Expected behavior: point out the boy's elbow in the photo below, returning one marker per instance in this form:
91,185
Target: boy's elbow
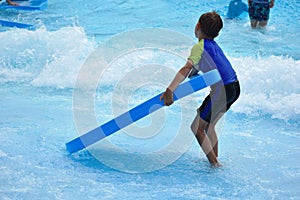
185,70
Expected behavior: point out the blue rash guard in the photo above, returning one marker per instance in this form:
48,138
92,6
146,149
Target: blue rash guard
206,55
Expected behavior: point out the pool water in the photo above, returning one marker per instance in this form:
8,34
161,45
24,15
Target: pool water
258,138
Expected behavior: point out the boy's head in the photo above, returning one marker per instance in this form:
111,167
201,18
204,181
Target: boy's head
210,24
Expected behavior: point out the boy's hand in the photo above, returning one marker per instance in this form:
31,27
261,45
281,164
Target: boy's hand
168,97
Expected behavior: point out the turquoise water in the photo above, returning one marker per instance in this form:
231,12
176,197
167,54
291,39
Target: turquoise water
259,137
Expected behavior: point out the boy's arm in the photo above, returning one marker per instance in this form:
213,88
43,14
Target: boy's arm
11,3
180,76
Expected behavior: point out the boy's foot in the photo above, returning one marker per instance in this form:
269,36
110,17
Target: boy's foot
216,165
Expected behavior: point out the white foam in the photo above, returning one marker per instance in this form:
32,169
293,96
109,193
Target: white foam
2,154
268,86
42,57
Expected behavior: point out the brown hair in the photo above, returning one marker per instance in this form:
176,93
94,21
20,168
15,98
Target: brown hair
210,24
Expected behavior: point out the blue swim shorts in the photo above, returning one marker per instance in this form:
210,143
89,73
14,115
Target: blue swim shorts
259,11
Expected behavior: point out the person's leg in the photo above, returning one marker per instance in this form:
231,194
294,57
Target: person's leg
264,15
263,24
198,127
212,135
253,23
252,11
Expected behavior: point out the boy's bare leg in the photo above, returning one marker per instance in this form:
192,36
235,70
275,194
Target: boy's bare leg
198,127
212,135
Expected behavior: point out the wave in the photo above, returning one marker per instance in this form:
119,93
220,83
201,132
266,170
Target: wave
41,58
269,86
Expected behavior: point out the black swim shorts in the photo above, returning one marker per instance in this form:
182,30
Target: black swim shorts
219,100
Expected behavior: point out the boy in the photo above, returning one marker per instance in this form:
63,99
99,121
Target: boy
205,56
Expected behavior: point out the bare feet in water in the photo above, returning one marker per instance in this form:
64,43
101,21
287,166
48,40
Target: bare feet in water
216,165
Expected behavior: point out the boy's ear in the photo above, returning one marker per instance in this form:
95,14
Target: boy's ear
198,26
